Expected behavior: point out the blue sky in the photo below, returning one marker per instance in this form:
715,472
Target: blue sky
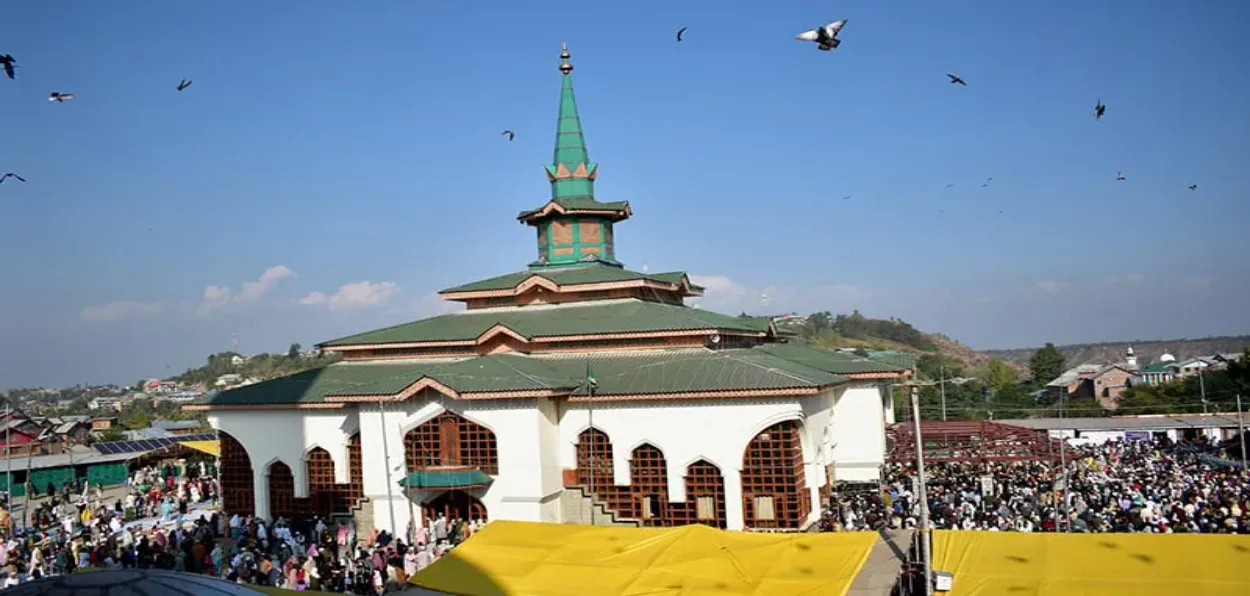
330,146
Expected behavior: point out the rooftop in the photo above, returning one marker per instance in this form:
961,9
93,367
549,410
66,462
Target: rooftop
635,374
1128,422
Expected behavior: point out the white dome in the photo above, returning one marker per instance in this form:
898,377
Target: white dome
1167,358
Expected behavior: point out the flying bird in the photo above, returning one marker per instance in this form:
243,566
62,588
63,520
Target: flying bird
826,36
11,175
508,133
951,185
184,84
1120,176
681,32
1099,110
846,197
956,80
8,61
1193,187
60,97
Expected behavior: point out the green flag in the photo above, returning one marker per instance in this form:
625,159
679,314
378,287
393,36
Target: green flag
590,377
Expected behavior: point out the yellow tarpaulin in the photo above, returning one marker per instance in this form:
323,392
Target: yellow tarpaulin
997,563
212,448
523,558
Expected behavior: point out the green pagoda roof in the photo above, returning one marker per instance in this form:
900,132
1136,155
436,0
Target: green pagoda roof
577,318
842,363
570,276
580,204
616,373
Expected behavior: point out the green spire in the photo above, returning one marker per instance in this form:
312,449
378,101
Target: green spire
571,172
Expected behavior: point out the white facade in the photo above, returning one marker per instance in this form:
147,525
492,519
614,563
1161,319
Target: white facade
843,429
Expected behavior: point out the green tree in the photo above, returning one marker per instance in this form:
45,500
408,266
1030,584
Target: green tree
999,376
293,351
113,433
1047,364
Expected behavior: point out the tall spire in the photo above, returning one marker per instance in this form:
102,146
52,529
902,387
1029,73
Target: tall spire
571,173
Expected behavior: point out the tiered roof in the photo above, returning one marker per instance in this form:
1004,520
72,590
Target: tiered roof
525,348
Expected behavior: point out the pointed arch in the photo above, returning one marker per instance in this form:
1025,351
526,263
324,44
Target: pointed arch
281,490
238,479
648,481
323,492
705,495
596,472
774,486
355,471
449,439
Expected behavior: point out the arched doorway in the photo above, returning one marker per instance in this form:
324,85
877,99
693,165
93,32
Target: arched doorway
774,487
454,504
235,471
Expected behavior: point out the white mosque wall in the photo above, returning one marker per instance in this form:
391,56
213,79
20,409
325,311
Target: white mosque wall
858,432
287,436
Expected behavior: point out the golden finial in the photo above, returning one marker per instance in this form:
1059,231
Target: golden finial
565,67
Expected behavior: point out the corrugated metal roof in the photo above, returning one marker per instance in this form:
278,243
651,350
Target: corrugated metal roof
1127,423
80,458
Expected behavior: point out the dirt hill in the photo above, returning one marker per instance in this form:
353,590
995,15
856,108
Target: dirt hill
1146,351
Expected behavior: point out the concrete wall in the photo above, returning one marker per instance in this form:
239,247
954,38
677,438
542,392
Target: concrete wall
537,439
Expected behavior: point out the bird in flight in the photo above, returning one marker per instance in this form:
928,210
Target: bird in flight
1120,176
826,36
956,80
184,84
1193,187
11,175
846,197
8,61
60,97
951,185
1099,110
681,32
508,133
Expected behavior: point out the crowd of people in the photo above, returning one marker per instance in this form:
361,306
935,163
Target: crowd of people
1119,486
166,520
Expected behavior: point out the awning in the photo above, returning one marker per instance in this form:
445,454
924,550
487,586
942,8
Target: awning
446,479
212,448
509,557
994,563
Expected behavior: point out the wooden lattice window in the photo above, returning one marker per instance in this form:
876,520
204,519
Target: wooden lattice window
764,509
772,467
705,495
237,489
355,470
322,490
281,491
594,459
451,440
648,480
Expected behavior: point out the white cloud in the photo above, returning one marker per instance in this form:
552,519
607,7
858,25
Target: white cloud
220,297
361,294
723,294
1127,279
119,311
1053,287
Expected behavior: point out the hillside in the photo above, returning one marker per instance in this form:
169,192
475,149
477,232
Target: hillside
1147,351
260,366
857,331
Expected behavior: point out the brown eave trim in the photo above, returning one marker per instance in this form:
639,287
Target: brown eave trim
538,280
550,338
429,383
877,375
298,406
733,393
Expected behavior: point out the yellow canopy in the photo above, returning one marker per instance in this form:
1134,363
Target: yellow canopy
212,448
520,558
996,563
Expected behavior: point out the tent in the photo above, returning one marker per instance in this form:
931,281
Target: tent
212,448
1023,564
517,558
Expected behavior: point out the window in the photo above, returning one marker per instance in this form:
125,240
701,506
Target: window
705,508
764,510
648,506
772,467
236,477
451,440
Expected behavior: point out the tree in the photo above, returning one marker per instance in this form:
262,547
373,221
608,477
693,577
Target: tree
113,433
999,376
1047,364
293,351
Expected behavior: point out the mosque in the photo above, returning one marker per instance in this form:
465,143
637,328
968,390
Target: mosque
573,391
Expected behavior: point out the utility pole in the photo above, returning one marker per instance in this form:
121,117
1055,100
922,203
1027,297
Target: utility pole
922,496
942,385
1063,461
591,384
1241,432
1202,386
8,462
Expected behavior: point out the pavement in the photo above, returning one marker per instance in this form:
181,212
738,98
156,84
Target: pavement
880,572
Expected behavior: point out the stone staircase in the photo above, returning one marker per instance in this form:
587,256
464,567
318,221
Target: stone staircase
362,513
576,507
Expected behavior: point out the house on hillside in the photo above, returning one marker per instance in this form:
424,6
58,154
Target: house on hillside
1102,382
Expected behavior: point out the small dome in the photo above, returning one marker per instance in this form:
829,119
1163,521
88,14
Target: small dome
131,581
1167,358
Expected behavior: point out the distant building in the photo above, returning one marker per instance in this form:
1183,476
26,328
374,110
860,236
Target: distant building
228,379
105,403
1086,431
178,427
1102,382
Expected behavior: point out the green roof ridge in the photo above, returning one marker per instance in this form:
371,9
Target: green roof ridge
570,150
